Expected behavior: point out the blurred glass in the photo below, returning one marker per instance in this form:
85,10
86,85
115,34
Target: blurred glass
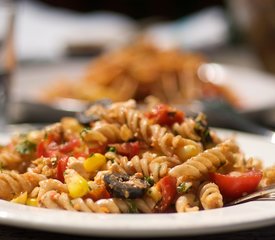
7,60
256,20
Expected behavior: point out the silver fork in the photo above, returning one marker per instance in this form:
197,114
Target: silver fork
264,194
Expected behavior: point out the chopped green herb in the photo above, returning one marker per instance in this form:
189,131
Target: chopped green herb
202,129
132,206
111,149
184,187
112,160
149,180
25,147
84,130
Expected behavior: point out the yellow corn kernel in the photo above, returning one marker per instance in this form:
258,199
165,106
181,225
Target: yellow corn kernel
21,199
188,151
94,163
32,202
154,193
77,186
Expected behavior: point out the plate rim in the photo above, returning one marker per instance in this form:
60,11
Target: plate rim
256,215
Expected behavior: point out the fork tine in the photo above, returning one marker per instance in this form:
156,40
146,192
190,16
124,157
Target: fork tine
267,193
267,197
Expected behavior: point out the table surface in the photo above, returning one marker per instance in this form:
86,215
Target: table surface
12,233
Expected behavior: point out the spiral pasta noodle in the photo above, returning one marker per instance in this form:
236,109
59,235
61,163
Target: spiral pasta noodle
149,164
208,161
55,200
210,196
187,203
117,158
154,134
10,160
13,183
106,132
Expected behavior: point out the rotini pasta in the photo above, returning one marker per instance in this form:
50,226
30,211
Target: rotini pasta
210,196
116,158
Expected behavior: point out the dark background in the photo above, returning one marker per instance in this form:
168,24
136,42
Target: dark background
138,9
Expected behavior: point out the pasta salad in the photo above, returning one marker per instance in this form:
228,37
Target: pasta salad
117,158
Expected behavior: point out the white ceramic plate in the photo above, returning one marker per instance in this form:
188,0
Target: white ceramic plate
243,216
255,89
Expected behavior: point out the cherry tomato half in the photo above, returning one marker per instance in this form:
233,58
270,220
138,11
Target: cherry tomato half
61,167
98,149
129,150
163,115
45,149
233,187
168,189
69,146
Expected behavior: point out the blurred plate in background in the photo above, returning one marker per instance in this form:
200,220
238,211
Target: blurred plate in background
255,89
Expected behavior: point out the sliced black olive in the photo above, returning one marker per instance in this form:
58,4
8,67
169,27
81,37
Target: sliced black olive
125,186
85,119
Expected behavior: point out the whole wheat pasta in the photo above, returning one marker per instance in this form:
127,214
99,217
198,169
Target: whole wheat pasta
124,159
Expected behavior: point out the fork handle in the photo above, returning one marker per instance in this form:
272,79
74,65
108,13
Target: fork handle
221,114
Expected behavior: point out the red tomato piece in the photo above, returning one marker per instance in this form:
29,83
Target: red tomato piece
45,149
69,146
80,154
97,149
53,137
99,193
233,187
129,150
61,167
163,114
41,149
168,189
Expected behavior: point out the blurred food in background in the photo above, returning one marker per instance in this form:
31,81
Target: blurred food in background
140,70
55,40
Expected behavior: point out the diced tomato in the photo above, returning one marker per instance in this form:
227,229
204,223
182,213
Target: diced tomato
80,154
98,149
168,189
47,150
129,150
61,167
233,187
69,146
41,149
163,114
99,193
53,137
